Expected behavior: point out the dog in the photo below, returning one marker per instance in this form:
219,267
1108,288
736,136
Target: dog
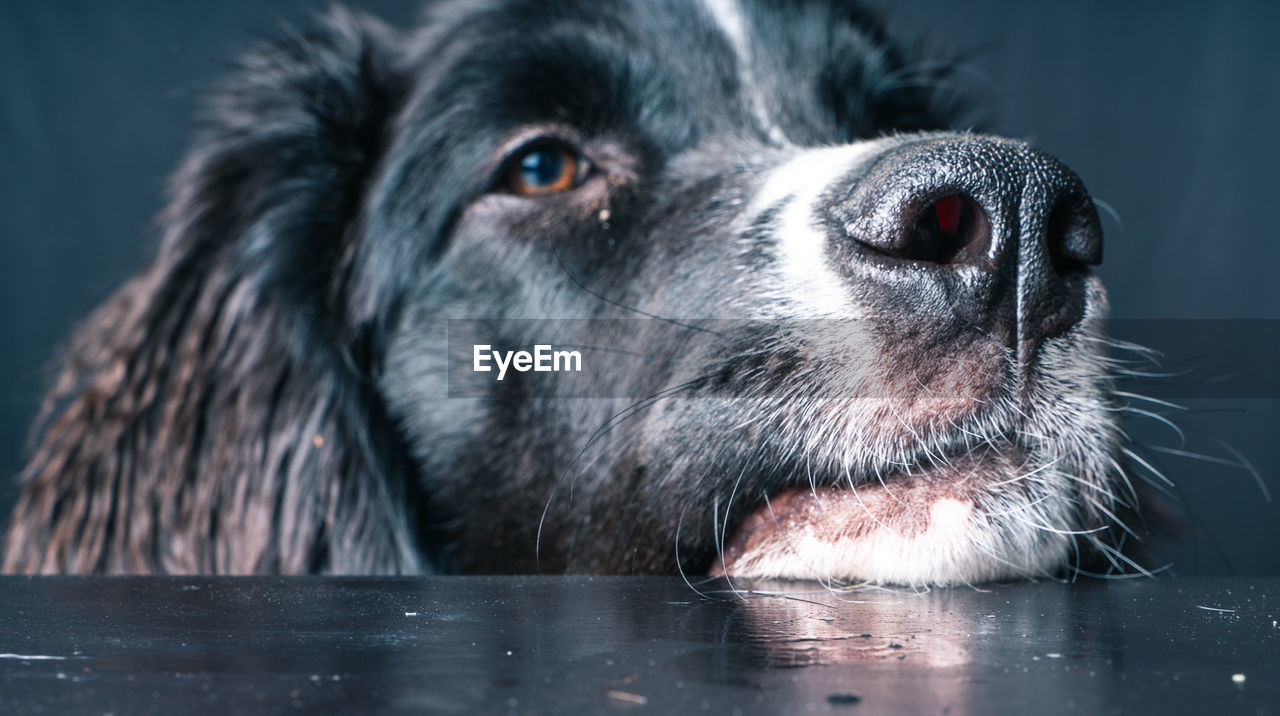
824,335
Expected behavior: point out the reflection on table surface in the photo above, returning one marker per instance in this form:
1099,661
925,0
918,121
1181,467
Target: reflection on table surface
536,644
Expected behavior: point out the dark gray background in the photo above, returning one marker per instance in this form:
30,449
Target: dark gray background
1168,110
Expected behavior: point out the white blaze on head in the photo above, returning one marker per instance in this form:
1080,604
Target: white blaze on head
798,185
728,15
817,291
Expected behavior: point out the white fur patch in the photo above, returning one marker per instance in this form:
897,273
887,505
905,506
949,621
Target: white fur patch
812,286
944,553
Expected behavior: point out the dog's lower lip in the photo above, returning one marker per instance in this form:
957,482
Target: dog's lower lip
937,500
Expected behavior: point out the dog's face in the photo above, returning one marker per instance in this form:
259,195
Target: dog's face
818,334
904,381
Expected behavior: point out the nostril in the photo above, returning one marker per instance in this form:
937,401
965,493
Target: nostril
1074,235
947,211
949,230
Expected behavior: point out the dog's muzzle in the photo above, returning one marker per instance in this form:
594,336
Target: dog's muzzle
967,259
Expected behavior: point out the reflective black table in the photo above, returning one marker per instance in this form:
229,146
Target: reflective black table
633,645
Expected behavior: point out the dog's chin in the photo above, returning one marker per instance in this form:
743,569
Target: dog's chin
929,525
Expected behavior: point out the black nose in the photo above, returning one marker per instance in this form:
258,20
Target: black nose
1004,232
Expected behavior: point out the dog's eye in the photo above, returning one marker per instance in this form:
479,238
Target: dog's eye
544,169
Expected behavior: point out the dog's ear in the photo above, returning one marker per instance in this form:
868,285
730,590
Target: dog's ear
213,415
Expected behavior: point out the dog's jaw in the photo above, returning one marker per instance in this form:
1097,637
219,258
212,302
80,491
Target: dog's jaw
928,528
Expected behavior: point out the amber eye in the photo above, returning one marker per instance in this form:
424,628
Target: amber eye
544,169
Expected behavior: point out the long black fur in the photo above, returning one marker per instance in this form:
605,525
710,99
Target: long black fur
217,413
